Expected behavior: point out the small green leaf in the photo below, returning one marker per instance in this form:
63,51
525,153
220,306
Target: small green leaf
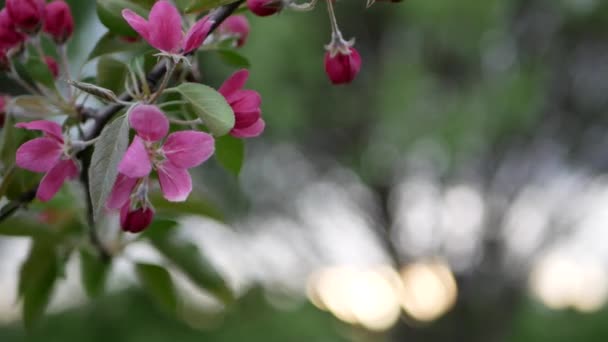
233,58
230,153
109,150
36,280
111,74
210,106
40,72
193,206
158,283
109,12
19,226
93,273
111,43
205,5
187,258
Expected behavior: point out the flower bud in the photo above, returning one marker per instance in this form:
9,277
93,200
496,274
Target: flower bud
265,8
53,66
28,15
342,67
9,37
135,220
59,22
236,26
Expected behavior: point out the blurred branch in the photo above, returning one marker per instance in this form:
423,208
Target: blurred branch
101,118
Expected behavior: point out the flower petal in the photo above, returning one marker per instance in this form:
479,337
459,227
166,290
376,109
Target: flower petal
121,191
197,34
249,132
150,123
50,128
39,155
165,27
234,82
139,24
175,182
188,149
136,162
53,180
246,119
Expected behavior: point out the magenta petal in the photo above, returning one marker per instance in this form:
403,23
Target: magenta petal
246,119
234,82
53,180
249,132
245,100
150,123
50,128
165,27
136,162
39,155
121,191
175,182
139,24
188,149
197,34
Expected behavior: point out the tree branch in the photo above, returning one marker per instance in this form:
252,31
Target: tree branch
101,118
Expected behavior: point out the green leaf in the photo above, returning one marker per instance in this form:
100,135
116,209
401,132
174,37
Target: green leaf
187,258
233,58
109,12
193,206
36,280
109,150
19,226
210,106
205,5
230,153
111,43
93,273
39,72
158,283
111,74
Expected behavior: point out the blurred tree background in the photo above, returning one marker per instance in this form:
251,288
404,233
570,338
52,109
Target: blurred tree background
473,139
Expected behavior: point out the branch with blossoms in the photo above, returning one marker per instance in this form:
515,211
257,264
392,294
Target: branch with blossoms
135,123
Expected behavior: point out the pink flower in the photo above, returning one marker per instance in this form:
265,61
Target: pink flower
265,8
342,67
171,160
49,155
135,220
28,15
237,26
9,37
51,63
245,104
163,30
59,22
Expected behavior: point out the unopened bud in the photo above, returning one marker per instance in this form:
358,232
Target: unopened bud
236,26
342,67
265,8
135,220
28,15
59,22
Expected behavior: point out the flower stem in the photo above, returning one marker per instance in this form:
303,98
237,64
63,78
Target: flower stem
170,69
63,56
335,30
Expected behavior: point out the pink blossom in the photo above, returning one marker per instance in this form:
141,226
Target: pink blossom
47,155
237,26
163,29
135,220
28,15
265,8
245,104
59,22
342,67
9,37
171,159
